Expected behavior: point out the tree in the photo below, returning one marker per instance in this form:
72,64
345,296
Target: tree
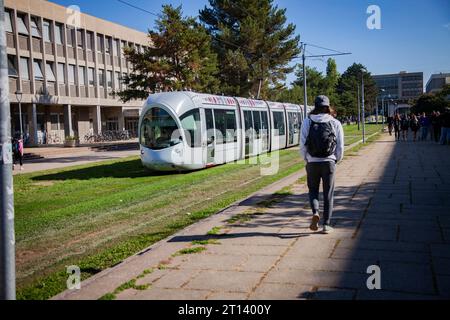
315,83
432,102
347,90
253,43
180,58
331,81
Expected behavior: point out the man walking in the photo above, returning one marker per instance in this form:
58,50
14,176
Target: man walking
322,146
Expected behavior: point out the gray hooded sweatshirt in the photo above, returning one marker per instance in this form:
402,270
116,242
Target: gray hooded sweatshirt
323,117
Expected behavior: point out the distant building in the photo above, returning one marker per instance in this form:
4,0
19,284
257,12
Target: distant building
437,82
67,74
399,89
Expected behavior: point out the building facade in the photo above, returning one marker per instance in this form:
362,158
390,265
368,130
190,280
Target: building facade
64,67
437,82
398,89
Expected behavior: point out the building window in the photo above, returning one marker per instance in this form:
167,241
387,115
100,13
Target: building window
49,71
21,26
61,73
124,44
89,40
55,123
91,76
100,43
109,78
58,34
8,24
37,70
108,45
81,76
24,72
116,80
12,66
116,48
80,43
101,77
71,74
70,36
35,32
46,29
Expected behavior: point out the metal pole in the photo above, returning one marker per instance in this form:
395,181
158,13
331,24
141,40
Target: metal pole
20,116
376,110
359,110
7,240
305,92
382,110
363,110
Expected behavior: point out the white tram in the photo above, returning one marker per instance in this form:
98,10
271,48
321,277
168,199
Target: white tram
189,131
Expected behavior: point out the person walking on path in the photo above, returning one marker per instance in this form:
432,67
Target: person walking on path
425,124
321,146
404,126
436,126
414,124
390,121
18,152
445,130
397,125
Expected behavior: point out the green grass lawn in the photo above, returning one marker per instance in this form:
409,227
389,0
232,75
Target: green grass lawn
352,134
96,215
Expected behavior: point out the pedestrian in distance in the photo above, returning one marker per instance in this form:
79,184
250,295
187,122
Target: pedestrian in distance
17,146
397,126
322,147
414,125
436,126
445,129
404,126
425,124
390,121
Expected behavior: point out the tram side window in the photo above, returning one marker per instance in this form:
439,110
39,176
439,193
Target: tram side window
257,121
190,123
248,120
209,126
278,122
293,119
225,121
159,130
264,123
230,120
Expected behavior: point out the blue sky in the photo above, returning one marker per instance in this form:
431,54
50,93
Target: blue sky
414,35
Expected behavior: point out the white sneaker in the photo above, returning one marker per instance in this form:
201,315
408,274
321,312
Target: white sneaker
314,226
327,229
21,168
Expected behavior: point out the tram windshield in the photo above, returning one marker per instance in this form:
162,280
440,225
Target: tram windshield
159,130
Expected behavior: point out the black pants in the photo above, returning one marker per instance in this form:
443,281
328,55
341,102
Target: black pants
18,157
325,171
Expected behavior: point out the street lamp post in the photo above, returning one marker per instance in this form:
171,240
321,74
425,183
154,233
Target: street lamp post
382,108
362,106
19,100
359,110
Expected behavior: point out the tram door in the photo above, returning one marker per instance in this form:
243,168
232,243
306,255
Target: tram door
249,132
210,138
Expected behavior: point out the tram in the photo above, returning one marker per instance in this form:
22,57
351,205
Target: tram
182,131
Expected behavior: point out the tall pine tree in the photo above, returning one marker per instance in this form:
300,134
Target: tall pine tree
253,43
180,57
348,90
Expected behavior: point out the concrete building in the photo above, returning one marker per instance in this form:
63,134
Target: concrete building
67,65
437,82
399,89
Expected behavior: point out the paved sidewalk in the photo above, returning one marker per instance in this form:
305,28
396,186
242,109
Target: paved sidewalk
392,209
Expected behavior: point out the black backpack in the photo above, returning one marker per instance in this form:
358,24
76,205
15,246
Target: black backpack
321,141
